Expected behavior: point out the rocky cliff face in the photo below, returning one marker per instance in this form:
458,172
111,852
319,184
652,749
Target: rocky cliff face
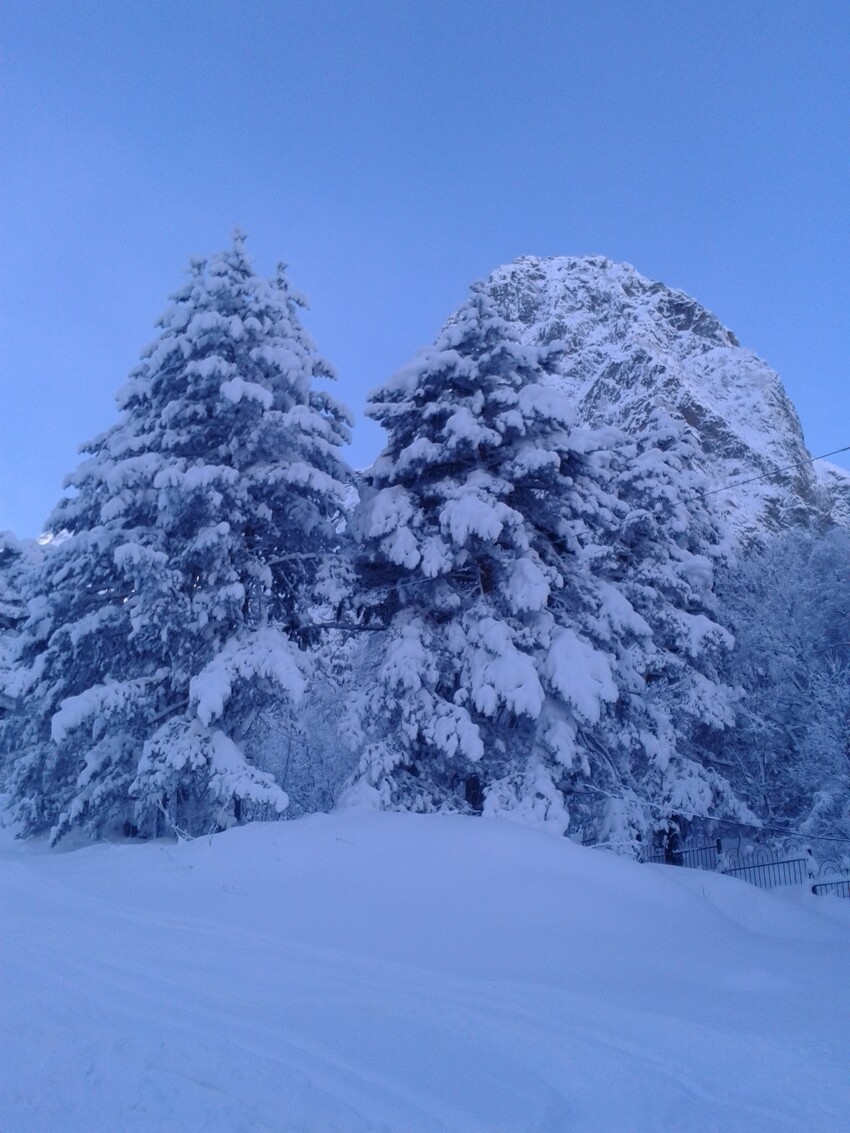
633,345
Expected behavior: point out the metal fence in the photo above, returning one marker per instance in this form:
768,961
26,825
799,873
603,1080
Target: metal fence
840,887
769,874
696,857
691,857
766,867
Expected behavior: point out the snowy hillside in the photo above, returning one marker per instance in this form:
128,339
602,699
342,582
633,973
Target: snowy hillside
633,344
365,971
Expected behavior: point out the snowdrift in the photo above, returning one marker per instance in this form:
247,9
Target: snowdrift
365,971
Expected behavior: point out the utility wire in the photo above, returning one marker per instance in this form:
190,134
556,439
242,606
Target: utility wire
776,472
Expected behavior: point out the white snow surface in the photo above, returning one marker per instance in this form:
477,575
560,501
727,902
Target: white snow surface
373,971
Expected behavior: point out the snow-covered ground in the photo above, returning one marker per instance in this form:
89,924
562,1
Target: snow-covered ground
365,971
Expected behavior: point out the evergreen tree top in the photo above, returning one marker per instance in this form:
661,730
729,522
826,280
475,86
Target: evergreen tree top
230,384
476,390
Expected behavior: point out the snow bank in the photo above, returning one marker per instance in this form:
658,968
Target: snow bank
367,971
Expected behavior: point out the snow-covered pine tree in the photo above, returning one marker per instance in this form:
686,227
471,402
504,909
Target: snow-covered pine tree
16,561
17,567
457,570
656,553
198,533
788,602
513,557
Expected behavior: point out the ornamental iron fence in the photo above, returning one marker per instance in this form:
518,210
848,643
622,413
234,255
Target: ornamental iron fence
770,873
840,887
789,863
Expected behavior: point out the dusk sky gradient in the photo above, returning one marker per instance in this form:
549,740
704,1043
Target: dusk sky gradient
392,153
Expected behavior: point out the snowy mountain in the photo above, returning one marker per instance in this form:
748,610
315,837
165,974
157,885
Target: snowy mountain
634,345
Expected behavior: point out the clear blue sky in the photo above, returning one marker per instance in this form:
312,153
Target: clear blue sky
392,152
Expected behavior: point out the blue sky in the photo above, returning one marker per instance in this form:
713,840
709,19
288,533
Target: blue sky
393,152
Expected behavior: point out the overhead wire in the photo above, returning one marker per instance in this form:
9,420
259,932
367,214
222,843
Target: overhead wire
775,472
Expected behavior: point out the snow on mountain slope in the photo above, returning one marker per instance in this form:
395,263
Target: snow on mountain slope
633,344
365,971
835,483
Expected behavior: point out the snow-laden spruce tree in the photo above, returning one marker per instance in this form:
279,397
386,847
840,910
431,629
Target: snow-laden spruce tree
514,559
18,562
198,532
656,553
788,601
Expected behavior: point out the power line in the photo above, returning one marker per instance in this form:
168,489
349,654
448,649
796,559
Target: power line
776,472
